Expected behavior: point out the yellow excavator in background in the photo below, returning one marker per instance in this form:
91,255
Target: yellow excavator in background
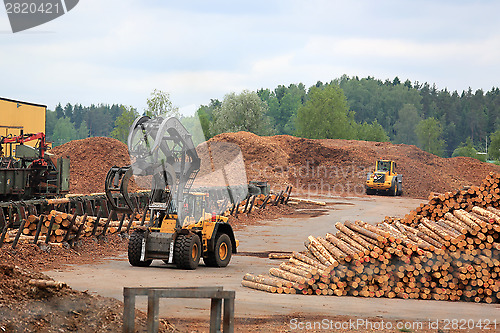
384,179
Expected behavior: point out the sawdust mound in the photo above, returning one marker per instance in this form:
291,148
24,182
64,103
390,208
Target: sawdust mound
25,308
90,161
336,167
340,166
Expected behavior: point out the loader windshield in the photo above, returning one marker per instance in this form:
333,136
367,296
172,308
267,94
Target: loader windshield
383,166
195,206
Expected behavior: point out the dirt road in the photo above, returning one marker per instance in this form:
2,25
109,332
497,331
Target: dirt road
286,234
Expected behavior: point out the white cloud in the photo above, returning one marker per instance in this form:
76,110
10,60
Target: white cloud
273,65
403,49
188,110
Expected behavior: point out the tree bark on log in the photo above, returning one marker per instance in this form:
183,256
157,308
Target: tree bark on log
259,286
271,281
43,284
486,213
330,260
340,244
464,217
287,275
363,231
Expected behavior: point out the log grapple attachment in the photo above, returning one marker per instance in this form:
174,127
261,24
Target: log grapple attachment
180,224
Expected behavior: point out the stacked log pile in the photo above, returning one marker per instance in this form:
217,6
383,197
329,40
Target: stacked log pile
487,194
444,261
64,226
449,254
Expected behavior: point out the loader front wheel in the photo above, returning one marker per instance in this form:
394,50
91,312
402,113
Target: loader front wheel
187,251
135,250
222,252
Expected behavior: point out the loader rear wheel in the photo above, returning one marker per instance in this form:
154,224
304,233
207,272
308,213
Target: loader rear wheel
370,191
222,252
187,251
135,250
394,189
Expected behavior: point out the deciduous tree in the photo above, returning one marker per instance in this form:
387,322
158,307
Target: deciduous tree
83,131
64,131
159,103
429,136
123,123
408,118
494,148
325,115
371,132
467,149
242,112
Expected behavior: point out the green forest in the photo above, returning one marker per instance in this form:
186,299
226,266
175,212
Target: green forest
441,122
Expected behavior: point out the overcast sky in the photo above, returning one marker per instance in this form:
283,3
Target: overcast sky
118,51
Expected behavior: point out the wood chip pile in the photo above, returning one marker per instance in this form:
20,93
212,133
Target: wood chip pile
90,161
340,166
452,255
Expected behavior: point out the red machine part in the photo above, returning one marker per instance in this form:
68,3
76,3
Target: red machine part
22,138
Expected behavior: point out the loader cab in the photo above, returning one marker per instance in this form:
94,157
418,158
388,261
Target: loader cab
195,206
386,166
195,213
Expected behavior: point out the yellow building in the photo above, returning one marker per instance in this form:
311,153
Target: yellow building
18,115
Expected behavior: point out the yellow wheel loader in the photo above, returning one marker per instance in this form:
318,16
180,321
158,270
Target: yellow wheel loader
203,235
384,179
179,225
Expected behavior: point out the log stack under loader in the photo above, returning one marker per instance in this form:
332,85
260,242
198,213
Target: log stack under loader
451,252
64,227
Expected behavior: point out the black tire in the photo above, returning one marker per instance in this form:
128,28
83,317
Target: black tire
393,190
135,249
221,256
370,191
187,251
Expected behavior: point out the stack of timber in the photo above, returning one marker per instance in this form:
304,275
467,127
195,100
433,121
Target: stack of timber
450,252
444,260
64,226
486,194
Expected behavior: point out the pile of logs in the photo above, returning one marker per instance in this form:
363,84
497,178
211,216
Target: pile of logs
454,258
487,194
58,227
64,226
